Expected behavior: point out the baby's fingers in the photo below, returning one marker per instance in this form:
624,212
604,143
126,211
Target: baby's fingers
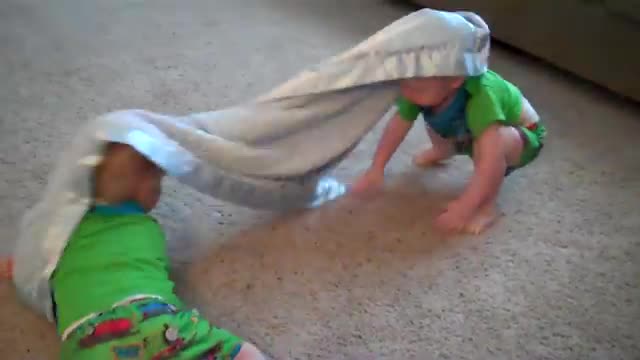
6,268
449,223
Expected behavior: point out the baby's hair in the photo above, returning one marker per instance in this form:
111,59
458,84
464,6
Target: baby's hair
116,176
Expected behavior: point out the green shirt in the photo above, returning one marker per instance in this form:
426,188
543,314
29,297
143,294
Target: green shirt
491,99
111,255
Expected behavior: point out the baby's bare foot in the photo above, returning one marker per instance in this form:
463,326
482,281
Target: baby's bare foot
6,268
483,219
430,157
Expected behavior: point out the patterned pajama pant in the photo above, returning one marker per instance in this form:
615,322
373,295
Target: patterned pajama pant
149,329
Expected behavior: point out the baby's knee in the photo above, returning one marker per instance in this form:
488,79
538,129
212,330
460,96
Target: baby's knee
249,352
499,139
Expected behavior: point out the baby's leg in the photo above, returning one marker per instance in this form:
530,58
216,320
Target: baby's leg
6,268
441,149
165,332
494,151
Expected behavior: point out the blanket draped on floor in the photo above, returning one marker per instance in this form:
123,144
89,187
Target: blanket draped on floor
272,152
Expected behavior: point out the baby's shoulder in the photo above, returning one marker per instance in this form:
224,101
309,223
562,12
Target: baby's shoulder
489,82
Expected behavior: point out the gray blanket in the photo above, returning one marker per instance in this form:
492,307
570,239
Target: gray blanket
272,152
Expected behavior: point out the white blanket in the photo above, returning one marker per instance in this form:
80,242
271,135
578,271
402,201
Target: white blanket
271,152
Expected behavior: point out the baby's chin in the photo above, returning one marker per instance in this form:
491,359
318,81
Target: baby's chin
149,204
419,100
423,101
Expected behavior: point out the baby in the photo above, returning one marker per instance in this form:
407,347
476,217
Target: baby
111,287
484,117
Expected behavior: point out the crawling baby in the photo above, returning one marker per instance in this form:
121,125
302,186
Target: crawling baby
111,288
485,117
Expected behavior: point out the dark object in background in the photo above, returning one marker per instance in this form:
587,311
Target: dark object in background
598,40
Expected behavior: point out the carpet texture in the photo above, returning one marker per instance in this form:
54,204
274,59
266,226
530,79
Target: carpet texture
557,278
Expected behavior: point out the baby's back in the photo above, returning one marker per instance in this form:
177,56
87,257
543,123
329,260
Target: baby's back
110,257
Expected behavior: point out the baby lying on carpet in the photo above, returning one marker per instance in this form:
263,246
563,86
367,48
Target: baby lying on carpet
111,287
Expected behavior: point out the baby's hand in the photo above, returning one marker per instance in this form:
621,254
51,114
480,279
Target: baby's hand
454,219
6,268
371,180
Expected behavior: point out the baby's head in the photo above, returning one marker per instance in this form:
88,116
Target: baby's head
126,175
430,91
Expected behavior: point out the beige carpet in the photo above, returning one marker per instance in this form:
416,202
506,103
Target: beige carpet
557,278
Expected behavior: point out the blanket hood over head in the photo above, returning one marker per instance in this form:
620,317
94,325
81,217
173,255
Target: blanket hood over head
271,152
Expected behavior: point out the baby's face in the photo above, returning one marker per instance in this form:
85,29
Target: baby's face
431,91
126,175
149,188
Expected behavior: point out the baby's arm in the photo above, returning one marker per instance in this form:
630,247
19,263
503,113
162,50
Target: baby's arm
392,136
491,151
495,149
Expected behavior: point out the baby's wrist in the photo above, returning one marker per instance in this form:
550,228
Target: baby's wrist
376,169
462,206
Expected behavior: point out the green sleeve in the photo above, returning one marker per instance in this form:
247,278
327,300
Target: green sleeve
407,110
483,109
